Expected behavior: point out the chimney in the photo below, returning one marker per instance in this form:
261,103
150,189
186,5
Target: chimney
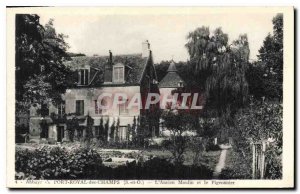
145,48
110,56
108,69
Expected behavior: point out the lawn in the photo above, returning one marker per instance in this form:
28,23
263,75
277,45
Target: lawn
209,158
236,166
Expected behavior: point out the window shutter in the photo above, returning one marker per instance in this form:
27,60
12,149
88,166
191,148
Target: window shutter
96,107
86,77
63,111
81,77
115,74
121,74
78,77
77,107
82,108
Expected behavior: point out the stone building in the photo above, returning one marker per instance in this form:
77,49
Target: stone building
96,75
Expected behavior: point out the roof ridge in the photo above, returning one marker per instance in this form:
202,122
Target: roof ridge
95,56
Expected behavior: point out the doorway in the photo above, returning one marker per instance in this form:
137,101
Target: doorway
60,133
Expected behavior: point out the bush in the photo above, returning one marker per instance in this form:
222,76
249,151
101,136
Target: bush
212,147
57,163
273,162
229,173
238,165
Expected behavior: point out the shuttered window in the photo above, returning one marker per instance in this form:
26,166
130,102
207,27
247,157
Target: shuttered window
119,74
79,107
61,109
123,109
83,77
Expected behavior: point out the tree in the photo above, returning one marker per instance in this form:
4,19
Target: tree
72,125
112,131
271,62
102,135
133,131
161,69
220,70
178,122
89,130
117,130
40,52
261,122
106,128
29,35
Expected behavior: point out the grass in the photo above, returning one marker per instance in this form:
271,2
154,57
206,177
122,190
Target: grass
209,158
236,166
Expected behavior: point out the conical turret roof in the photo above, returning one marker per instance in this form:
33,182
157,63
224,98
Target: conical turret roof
172,67
172,79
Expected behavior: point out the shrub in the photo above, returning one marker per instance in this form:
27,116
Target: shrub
57,163
261,122
238,165
229,173
212,147
273,162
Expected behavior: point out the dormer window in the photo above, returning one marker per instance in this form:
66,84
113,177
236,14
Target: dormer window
180,84
118,73
83,77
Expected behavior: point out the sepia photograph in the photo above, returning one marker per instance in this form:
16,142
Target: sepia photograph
150,97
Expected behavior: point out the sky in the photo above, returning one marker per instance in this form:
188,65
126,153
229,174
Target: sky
124,34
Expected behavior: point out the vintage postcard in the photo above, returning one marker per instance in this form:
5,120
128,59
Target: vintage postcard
144,97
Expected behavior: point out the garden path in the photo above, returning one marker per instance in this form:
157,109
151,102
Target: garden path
220,164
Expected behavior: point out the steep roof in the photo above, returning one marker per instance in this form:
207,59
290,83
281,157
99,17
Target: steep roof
172,78
172,67
134,67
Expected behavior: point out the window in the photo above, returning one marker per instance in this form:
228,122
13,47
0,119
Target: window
83,77
61,109
118,73
98,109
153,131
122,133
123,110
79,107
44,110
79,133
97,131
180,84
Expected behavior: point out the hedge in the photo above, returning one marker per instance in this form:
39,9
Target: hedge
81,163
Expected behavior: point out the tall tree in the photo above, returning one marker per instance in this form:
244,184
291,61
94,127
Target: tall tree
29,35
40,52
271,61
220,69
